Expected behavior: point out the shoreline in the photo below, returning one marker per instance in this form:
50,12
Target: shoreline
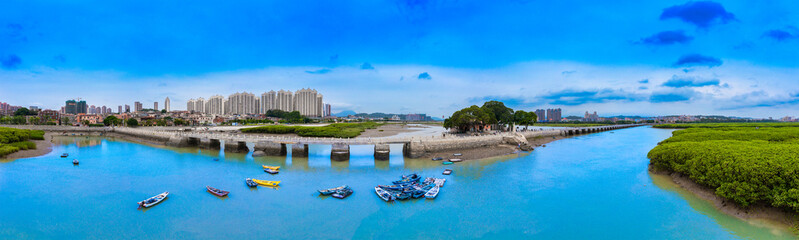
754,212
43,147
481,153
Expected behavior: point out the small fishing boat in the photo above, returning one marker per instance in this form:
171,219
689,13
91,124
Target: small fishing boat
447,162
267,183
440,182
403,195
419,191
392,187
250,182
153,200
216,159
332,190
271,171
455,160
65,155
383,194
457,154
438,158
447,171
271,167
75,162
217,192
432,193
343,193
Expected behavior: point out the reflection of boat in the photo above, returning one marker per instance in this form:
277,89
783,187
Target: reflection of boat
432,193
65,155
267,183
271,167
343,193
383,194
446,162
332,190
250,182
217,192
447,171
153,200
455,160
271,171
438,158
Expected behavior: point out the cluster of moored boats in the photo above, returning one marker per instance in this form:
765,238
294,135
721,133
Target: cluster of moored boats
449,161
410,186
337,192
152,201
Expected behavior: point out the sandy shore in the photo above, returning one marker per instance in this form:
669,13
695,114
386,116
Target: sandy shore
388,130
42,147
491,151
755,212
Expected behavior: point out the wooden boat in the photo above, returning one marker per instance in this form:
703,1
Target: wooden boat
343,193
447,171
250,182
271,171
217,192
419,191
271,167
440,182
455,160
438,158
447,162
457,154
267,183
432,193
75,162
65,155
332,190
383,194
153,200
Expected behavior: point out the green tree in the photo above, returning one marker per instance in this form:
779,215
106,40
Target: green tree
111,121
132,122
24,112
65,121
521,117
34,120
179,122
163,110
499,112
467,118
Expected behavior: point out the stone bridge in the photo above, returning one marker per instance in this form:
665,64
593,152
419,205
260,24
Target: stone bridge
413,147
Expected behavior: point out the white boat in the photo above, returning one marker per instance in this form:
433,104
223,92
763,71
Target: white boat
382,193
455,160
439,182
432,193
153,200
457,154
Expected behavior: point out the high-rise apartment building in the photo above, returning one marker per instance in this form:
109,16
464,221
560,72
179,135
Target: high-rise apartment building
215,105
167,104
308,102
268,100
283,101
327,112
75,107
553,115
241,104
542,117
127,108
155,106
120,109
137,106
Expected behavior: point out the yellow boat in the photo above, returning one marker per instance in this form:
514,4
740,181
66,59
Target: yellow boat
267,183
271,167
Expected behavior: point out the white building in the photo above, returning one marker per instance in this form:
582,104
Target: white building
167,104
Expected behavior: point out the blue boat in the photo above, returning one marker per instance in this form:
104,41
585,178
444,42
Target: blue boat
383,194
250,182
343,193
333,190
65,155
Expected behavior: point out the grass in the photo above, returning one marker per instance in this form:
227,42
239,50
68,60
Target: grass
723,125
337,130
742,163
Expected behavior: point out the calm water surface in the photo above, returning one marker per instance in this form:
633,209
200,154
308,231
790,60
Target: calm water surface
588,187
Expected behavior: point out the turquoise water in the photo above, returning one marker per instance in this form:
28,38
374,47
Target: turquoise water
587,187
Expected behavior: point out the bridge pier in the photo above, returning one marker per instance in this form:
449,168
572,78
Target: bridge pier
413,149
271,148
208,143
340,152
382,151
299,150
236,147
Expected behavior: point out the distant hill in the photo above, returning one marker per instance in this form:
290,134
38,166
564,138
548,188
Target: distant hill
345,113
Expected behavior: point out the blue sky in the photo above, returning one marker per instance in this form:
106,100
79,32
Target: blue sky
624,57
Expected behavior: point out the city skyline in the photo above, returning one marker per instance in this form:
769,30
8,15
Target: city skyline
734,58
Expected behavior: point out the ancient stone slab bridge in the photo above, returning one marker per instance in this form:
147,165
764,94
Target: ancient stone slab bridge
413,147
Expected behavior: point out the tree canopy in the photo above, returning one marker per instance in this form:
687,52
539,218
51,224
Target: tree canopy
492,112
467,118
112,120
521,117
499,112
24,112
132,122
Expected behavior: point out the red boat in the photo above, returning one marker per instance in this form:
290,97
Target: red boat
217,192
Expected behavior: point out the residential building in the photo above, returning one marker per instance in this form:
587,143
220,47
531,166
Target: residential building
137,106
542,117
268,100
241,104
308,103
591,117
155,106
553,115
284,101
127,108
327,112
167,104
216,105
120,109
75,107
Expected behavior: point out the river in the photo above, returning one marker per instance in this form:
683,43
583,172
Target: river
592,186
